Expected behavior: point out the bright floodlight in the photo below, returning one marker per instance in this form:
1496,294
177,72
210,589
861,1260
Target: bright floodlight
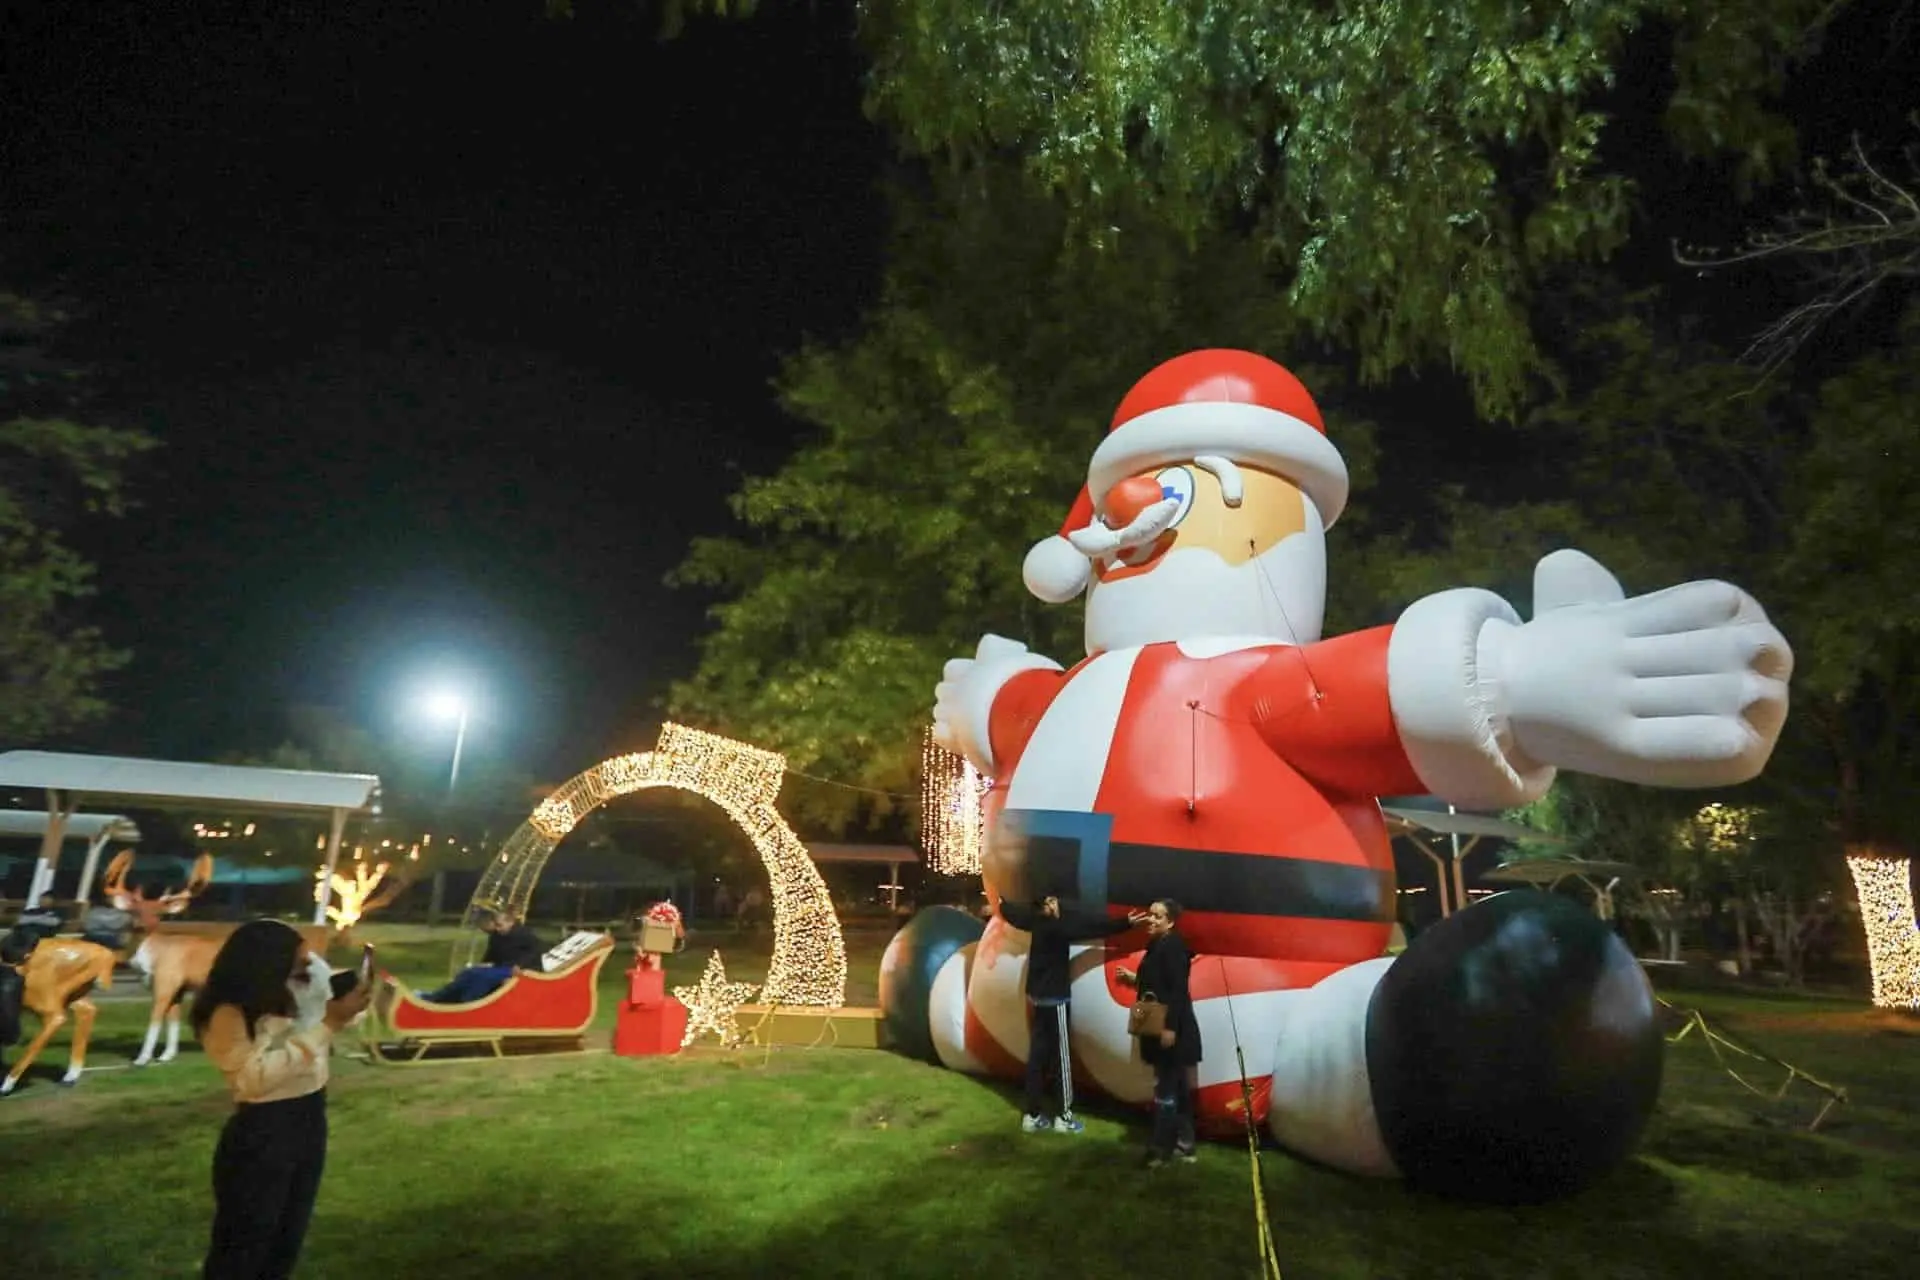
446,706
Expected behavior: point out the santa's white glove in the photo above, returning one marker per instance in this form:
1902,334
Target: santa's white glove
963,700
310,997
1685,687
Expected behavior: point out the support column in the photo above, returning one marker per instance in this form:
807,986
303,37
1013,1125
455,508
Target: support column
60,807
92,864
338,825
437,903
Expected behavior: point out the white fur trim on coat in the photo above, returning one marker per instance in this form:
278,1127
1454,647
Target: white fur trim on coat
1445,706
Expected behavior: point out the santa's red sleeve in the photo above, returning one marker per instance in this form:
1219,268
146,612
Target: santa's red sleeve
1401,710
1017,708
1325,708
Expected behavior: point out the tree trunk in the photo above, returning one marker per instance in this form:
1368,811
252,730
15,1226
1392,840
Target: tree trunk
1743,937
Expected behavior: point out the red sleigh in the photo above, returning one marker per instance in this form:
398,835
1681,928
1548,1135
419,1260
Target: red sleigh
531,1013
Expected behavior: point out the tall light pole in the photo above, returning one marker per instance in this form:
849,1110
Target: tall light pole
448,706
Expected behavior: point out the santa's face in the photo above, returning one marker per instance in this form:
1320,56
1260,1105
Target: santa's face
1254,569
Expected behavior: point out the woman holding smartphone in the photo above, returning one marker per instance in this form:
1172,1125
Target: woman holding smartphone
266,1017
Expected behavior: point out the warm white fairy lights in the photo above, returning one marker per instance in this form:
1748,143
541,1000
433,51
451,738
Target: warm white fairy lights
952,824
809,965
351,895
1893,939
712,1003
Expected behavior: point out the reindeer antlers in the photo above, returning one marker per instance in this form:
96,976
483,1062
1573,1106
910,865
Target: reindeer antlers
172,902
114,887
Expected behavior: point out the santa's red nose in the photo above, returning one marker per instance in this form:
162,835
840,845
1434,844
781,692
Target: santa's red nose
1129,498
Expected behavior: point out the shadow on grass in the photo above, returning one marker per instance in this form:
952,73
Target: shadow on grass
1757,1149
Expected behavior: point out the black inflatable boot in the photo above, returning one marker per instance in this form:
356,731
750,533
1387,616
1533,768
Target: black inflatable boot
1513,1051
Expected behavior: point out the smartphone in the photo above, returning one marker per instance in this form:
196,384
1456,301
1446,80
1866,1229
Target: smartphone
348,980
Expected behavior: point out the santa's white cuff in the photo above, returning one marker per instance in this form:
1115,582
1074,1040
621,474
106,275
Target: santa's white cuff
983,685
1446,706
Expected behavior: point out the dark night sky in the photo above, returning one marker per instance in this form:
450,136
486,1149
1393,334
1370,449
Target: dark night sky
455,322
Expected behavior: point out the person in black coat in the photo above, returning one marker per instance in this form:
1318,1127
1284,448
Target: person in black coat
1049,992
1175,1052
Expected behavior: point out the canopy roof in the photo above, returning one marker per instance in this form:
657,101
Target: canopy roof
880,853
1550,870
80,826
170,784
1405,817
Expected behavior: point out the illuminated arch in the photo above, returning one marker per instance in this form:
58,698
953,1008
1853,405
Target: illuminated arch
809,964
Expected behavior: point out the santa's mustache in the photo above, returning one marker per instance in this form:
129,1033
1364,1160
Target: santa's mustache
1098,541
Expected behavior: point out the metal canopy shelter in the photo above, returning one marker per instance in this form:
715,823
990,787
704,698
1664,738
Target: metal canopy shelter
891,855
1549,873
97,829
1406,820
171,784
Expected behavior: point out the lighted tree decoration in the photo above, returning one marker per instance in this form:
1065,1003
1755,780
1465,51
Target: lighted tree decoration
1893,936
355,897
712,1004
952,821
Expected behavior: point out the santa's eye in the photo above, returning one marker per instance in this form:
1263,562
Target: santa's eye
1177,483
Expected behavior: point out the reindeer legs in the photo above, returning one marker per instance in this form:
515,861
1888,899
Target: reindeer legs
173,1035
49,1023
83,1011
146,1047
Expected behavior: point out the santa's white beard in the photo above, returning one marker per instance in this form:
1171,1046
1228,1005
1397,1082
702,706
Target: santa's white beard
1192,593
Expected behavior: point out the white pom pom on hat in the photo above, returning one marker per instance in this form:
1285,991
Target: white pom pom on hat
1236,404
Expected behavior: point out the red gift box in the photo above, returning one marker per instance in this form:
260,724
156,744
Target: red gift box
644,1030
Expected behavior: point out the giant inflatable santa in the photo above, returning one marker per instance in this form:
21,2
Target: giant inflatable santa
1213,749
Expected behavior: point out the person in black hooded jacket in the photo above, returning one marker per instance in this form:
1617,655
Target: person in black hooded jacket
1049,992
1174,1053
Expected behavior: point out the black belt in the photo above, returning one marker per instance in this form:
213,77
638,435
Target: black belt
1034,852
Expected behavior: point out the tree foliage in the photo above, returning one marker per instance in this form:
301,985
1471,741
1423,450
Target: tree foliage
54,472
1408,168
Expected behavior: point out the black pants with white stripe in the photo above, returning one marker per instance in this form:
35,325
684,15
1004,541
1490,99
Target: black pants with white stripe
1047,1056
266,1172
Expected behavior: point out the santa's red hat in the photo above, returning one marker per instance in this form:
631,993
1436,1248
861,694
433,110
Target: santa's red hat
1235,404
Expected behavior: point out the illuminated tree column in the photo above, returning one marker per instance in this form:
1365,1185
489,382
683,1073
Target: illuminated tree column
809,964
1893,937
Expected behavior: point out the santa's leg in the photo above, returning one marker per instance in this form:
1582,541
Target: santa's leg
1511,1054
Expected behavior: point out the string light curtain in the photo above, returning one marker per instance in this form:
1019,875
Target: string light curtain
952,821
809,964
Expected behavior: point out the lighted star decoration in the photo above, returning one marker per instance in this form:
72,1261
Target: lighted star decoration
711,1004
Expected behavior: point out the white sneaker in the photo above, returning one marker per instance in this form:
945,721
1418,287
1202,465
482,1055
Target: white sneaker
1068,1124
1034,1124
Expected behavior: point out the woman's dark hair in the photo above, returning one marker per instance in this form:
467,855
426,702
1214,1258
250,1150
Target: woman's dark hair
250,973
1172,909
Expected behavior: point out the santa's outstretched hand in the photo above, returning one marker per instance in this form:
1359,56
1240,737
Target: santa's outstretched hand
1685,687
964,697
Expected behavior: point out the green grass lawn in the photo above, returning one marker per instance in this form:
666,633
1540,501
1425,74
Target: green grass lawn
855,1163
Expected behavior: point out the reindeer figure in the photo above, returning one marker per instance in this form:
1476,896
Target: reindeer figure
60,973
175,963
